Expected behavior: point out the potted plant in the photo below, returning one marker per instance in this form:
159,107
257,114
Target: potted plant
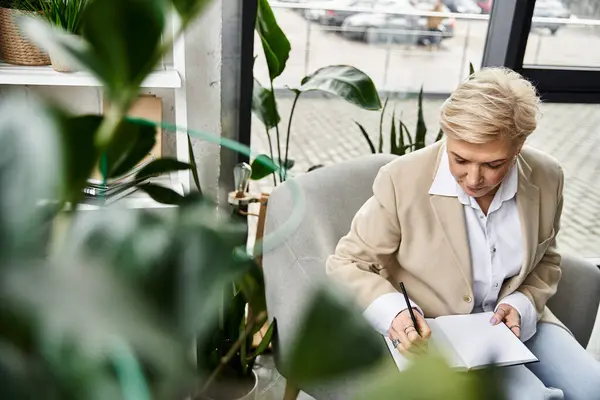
16,48
62,14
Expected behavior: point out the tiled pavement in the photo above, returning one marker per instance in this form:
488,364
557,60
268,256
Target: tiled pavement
323,132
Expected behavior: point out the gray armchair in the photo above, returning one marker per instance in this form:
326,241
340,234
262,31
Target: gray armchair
333,195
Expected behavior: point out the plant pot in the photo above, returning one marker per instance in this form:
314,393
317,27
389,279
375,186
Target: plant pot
14,47
233,389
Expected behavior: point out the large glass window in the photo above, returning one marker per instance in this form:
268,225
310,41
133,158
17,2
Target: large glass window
564,33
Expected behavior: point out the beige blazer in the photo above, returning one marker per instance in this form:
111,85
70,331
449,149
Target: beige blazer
402,233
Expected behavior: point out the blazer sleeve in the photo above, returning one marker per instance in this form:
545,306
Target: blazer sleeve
373,239
542,281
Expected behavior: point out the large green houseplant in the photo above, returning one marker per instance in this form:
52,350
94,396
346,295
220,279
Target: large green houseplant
110,312
347,82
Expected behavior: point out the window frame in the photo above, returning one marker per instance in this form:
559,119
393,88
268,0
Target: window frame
506,41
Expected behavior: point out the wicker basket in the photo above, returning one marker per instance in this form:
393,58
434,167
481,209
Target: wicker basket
14,47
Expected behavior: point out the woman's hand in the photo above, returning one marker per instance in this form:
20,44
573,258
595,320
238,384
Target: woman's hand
511,317
404,330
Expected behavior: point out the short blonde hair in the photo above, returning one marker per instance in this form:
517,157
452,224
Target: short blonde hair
493,103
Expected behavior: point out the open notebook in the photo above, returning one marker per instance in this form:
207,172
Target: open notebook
471,342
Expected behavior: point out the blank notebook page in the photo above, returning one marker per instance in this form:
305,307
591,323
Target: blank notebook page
479,343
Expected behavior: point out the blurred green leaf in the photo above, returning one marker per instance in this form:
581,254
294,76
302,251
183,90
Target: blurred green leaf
333,339
430,378
131,144
401,132
275,44
471,69
162,194
421,130
262,166
366,136
289,164
266,340
161,166
31,172
81,156
125,37
189,9
344,81
264,106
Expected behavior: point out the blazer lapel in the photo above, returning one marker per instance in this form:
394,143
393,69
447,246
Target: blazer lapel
450,214
528,204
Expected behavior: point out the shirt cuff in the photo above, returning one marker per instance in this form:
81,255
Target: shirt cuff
526,310
382,311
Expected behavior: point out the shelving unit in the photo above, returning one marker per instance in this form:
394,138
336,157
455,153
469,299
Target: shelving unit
169,77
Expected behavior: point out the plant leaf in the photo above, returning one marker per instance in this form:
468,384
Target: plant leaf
471,69
276,45
408,135
366,136
189,9
131,144
381,125
440,135
264,105
162,194
429,377
262,166
289,164
161,166
349,83
401,149
393,140
193,164
421,127
81,156
264,343
329,328
129,50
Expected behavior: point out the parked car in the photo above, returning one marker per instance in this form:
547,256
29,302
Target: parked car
485,5
383,27
462,6
549,9
326,14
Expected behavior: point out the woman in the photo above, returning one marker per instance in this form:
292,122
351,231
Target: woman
469,225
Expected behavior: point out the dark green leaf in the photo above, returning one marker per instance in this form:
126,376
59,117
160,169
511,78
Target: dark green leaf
381,125
189,9
401,150
264,105
366,136
345,81
471,69
125,36
162,194
393,139
276,45
440,135
81,156
421,127
131,144
408,135
262,166
161,166
329,329
266,340
194,166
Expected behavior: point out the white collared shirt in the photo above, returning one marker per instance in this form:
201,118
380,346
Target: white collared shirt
496,244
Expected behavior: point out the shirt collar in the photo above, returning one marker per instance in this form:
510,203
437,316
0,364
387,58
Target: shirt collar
444,183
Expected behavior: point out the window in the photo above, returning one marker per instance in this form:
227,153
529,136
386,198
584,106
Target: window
564,35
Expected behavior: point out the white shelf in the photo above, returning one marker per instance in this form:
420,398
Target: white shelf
46,76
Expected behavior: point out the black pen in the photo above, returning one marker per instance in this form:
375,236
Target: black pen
410,310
